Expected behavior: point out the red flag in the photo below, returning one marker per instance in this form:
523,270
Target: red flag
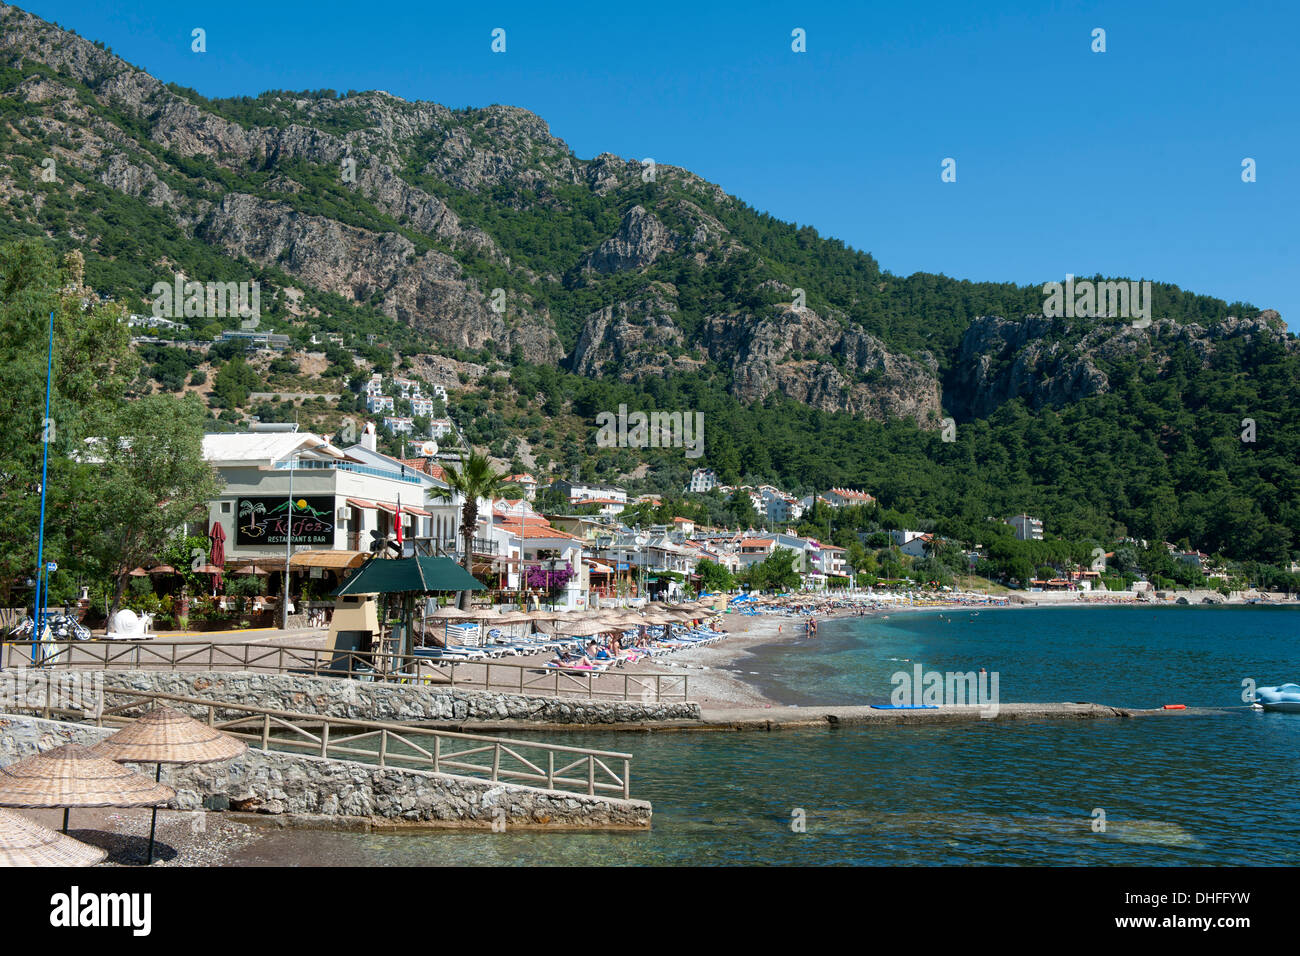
399,519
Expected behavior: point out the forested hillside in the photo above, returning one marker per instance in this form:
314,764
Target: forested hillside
394,223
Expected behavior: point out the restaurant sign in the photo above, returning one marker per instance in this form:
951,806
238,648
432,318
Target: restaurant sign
265,521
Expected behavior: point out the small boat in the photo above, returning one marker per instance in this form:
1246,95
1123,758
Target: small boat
1284,697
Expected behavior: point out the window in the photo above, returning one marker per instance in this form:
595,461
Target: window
225,507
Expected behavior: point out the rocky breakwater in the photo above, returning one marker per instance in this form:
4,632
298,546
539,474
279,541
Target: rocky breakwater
398,703
319,790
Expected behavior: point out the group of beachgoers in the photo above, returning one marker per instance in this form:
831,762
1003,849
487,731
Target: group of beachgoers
628,647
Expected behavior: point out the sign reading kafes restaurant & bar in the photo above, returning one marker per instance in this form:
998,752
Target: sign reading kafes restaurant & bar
266,521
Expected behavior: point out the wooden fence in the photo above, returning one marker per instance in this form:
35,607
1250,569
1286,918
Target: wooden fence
499,759
493,675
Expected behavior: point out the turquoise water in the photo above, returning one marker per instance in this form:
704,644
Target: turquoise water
1211,789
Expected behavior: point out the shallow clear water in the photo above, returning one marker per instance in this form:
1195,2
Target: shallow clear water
1218,788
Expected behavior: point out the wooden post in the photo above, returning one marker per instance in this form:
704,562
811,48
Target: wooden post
266,731
383,746
627,779
550,769
437,752
496,761
325,739
591,775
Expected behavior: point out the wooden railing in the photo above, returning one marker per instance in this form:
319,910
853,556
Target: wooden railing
499,759
359,665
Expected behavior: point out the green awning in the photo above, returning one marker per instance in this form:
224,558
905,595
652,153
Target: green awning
389,575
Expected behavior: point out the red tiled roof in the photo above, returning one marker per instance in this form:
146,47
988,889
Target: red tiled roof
536,529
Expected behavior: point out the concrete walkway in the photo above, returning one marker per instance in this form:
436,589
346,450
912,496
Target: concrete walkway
794,718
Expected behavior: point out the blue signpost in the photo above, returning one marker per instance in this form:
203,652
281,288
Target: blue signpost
42,595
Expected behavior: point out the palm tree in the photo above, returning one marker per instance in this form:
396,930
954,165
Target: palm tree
475,479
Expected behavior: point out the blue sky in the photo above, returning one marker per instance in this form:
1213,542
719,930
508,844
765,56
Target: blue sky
1126,162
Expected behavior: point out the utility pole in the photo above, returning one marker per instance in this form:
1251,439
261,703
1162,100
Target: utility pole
38,615
288,555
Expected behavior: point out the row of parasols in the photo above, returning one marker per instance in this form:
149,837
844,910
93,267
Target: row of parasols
75,776
580,622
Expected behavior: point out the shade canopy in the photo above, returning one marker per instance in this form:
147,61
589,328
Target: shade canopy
25,842
252,569
164,735
418,574
335,560
76,776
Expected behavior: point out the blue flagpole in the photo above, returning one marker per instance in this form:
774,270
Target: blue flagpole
38,611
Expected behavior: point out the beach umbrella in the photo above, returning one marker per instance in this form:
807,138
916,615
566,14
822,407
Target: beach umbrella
452,613
25,842
253,569
164,736
512,617
217,551
162,569
76,776
139,573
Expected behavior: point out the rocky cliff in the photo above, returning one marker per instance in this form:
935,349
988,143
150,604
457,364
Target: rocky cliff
478,230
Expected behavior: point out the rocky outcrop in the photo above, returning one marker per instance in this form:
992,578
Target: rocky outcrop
632,338
639,241
1055,362
823,363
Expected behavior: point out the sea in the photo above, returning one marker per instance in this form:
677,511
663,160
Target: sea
1216,786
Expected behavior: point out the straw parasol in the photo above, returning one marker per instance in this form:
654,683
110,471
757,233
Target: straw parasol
164,735
162,569
25,842
452,613
76,776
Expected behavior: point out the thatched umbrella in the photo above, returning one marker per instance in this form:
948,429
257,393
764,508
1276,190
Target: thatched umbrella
25,842
452,614
76,776
164,736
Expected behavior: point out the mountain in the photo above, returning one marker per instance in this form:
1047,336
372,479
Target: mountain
473,243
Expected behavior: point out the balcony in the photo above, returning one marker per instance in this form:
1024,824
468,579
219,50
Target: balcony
482,546
312,464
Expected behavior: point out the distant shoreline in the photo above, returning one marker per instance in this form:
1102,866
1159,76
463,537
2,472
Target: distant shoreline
725,682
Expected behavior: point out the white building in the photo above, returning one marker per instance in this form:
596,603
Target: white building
702,480
589,491
399,425
337,499
525,481
379,403
1027,528
782,509
842,497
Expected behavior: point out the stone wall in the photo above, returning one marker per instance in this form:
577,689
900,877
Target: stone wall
280,783
358,700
